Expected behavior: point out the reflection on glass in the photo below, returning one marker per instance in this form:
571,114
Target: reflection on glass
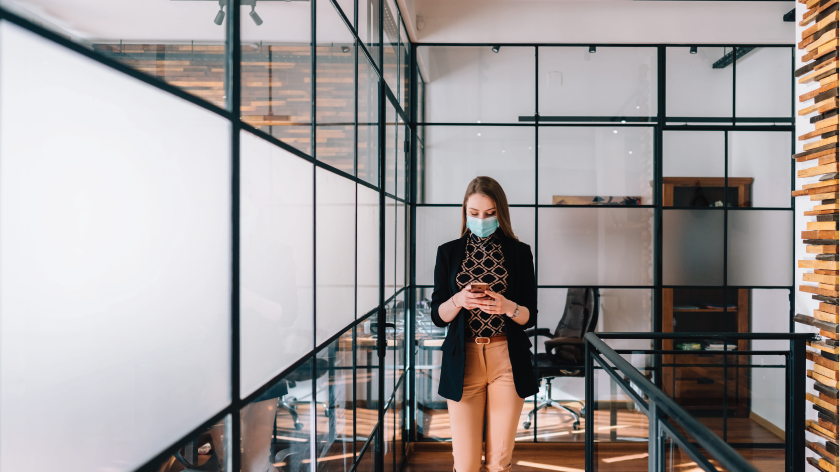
390,148
275,264
335,205
189,54
388,432
367,161
456,155
763,83
596,166
694,86
277,72
335,68
620,426
367,463
401,243
390,247
276,425
752,236
475,84
611,82
604,246
405,68
403,164
367,377
206,451
692,247
334,423
391,349
399,424
401,312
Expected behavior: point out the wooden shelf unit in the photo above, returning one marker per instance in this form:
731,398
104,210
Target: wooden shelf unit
701,389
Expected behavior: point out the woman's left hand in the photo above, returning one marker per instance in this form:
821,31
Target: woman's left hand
498,304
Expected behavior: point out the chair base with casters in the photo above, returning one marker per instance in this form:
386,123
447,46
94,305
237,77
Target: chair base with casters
547,402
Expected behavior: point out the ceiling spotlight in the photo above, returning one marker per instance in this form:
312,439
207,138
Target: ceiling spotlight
693,50
591,48
253,14
495,48
220,15
345,48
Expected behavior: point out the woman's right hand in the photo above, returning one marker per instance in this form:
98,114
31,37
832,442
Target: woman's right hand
469,300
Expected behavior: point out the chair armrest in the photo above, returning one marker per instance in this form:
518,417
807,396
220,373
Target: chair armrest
557,342
539,332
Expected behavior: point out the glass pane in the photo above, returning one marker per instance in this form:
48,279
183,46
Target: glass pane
763,83
405,68
367,463
390,246
367,265
456,155
367,377
399,413
753,235
390,148
621,428
599,246
763,157
403,160
391,349
388,431
596,166
277,72
188,53
607,82
474,84
391,49
276,299
334,395
90,216
334,105
692,247
207,451
694,85
334,253
348,7
437,225
692,154
276,426
430,407
400,313
369,27
401,243
367,165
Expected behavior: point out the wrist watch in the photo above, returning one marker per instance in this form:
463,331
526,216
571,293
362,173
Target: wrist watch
515,312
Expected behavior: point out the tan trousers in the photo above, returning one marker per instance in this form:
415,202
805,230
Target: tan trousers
488,381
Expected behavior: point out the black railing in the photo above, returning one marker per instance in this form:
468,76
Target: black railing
667,420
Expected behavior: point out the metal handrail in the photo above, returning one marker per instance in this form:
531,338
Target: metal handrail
661,407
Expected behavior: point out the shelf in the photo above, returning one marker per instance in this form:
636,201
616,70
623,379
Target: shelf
706,310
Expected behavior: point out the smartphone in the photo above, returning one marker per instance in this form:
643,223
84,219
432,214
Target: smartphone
478,287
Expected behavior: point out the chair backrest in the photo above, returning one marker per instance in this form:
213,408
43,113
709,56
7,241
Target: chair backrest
580,315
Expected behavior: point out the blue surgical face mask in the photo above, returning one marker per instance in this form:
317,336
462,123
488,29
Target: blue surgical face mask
482,228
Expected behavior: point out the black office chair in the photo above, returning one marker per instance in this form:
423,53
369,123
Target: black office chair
564,350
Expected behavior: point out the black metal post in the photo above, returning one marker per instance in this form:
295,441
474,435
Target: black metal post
589,404
796,410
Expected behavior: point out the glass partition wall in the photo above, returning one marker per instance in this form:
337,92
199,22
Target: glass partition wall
281,173
233,175
659,175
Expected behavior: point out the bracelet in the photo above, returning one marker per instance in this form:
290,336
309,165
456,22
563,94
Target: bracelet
453,302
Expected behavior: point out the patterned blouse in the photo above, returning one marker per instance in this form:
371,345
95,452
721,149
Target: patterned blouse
483,262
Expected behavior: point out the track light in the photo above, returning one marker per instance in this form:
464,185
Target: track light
345,49
693,50
495,48
591,48
220,15
253,14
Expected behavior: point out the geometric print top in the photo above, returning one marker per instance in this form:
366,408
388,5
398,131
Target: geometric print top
483,262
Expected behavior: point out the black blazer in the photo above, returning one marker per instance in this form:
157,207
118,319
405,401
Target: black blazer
522,289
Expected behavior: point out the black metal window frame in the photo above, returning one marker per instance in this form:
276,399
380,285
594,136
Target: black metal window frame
660,124
231,112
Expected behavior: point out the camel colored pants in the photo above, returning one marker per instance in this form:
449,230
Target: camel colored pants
488,382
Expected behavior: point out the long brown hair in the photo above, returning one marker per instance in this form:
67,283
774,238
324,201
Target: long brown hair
491,189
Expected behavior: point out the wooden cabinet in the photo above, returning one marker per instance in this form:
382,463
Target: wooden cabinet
703,381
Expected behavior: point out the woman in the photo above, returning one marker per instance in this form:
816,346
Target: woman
486,354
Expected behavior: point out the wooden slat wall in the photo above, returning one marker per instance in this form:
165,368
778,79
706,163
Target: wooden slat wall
818,184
